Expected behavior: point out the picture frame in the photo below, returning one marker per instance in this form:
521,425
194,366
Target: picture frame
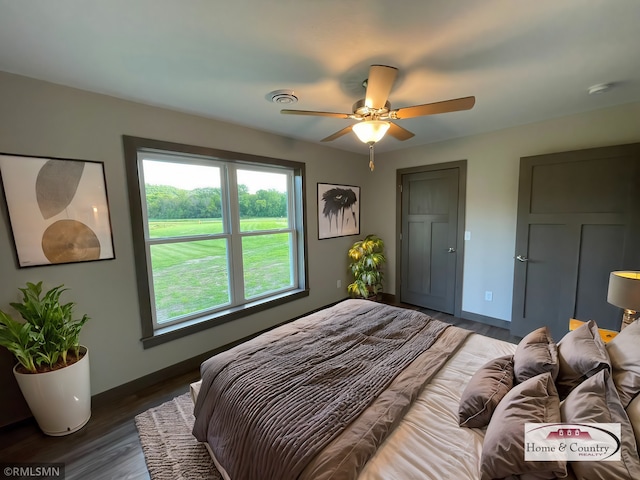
58,209
338,210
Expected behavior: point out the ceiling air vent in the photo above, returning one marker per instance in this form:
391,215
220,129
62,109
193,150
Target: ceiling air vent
282,97
600,88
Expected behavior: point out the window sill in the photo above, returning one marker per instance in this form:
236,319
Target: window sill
173,332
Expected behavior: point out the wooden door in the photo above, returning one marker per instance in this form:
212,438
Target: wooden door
577,221
429,241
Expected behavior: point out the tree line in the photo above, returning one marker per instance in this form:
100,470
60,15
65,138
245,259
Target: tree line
166,202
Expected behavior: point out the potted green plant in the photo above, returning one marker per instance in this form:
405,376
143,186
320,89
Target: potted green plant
53,368
367,259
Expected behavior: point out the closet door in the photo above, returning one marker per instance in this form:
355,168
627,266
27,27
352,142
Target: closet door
578,220
429,239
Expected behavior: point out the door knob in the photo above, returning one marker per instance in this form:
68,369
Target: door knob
520,258
451,250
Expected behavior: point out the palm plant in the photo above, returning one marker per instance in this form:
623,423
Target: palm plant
49,337
367,258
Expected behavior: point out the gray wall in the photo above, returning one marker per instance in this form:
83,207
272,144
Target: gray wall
492,192
43,119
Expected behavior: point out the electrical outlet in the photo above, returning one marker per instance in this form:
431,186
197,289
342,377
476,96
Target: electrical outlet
339,284
488,296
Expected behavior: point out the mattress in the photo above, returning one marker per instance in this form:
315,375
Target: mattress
428,443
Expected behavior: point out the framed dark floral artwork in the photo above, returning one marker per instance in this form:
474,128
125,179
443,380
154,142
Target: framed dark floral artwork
58,209
338,210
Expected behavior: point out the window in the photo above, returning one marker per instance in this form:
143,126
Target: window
217,235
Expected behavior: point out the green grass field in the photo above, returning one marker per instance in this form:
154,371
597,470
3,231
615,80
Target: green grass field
175,228
193,276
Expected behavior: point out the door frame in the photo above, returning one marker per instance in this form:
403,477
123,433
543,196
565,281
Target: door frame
461,165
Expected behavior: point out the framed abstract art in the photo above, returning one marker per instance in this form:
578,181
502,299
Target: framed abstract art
338,210
58,209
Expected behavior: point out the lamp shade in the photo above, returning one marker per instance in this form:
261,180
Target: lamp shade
371,131
624,290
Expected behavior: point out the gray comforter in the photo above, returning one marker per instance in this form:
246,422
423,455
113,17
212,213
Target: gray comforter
315,398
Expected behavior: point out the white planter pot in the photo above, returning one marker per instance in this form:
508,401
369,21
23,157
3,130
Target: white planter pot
59,400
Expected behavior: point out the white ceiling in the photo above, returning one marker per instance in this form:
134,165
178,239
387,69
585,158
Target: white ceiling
524,61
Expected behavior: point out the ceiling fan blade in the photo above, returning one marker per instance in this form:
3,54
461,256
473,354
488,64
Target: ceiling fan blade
396,131
433,108
379,85
317,114
338,134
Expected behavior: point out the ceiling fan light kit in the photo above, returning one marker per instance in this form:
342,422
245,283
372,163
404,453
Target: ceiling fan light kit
374,111
370,131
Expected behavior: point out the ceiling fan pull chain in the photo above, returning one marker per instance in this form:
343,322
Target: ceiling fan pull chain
371,165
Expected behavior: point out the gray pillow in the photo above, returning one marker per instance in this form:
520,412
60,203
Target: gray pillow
533,401
624,352
596,401
581,354
633,410
536,353
484,391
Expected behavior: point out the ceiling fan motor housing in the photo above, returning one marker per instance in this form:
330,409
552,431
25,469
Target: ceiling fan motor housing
360,110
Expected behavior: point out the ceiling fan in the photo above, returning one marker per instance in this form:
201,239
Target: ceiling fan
374,111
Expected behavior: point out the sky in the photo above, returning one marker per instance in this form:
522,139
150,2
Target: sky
200,176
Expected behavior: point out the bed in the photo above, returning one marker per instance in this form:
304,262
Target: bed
371,391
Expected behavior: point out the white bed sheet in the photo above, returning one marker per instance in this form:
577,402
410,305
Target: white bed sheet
428,444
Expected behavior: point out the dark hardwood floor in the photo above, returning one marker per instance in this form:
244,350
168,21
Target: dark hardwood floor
481,328
108,446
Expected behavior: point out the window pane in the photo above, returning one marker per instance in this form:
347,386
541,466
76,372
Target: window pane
267,263
262,195
182,192
221,235
177,228
189,277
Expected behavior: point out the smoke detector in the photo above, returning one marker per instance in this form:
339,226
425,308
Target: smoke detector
282,97
600,88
